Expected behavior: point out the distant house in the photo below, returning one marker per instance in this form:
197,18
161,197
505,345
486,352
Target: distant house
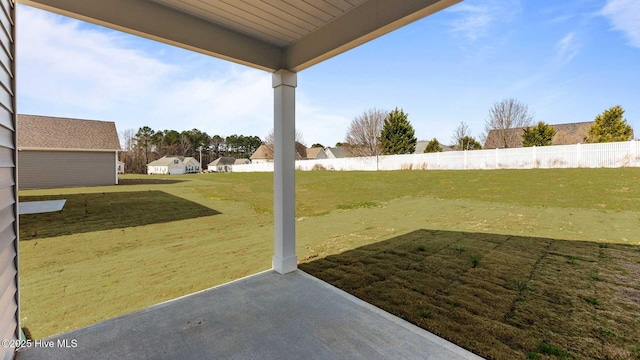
337,152
566,134
120,168
242,162
264,155
221,164
260,155
191,165
60,152
172,165
316,153
421,145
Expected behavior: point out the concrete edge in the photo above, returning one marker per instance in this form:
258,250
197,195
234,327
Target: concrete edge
405,324
154,307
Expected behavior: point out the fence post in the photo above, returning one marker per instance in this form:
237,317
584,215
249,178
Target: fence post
465,159
633,154
578,155
535,159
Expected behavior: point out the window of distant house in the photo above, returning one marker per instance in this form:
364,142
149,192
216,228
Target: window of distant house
175,161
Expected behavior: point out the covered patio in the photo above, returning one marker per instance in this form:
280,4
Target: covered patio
263,316
283,313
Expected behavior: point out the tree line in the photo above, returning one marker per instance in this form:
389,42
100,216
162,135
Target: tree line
374,132
146,145
380,132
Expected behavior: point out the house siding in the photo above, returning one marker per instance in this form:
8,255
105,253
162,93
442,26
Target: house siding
53,169
9,297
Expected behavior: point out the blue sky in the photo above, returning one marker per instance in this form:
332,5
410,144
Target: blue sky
568,61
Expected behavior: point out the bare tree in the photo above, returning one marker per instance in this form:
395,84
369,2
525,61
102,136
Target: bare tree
364,132
459,134
301,148
462,139
504,117
127,139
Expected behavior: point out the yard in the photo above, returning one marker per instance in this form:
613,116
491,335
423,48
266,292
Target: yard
506,263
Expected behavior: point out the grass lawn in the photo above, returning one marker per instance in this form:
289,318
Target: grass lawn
506,263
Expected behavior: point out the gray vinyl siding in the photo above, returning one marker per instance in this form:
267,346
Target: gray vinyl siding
9,299
54,169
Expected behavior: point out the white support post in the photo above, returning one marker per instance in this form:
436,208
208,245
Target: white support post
284,200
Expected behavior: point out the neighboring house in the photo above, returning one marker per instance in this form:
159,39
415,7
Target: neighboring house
222,164
316,153
167,165
242,162
120,168
569,134
60,152
566,134
337,152
191,165
264,155
260,155
421,145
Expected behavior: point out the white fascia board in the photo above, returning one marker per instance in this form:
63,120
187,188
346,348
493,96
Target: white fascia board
154,21
65,149
366,22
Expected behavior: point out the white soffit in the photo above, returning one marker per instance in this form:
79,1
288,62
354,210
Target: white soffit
265,34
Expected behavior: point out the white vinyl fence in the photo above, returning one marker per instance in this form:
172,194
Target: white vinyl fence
606,155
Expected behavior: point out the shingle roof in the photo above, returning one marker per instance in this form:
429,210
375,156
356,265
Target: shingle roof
223,160
165,160
566,134
260,153
312,153
339,151
45,132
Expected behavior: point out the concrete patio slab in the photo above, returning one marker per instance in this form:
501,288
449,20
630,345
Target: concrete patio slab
263,316
37,207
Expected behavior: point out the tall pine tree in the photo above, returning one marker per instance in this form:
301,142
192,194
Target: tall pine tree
397,136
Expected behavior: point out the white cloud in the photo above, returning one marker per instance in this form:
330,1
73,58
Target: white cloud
67,68
59,62
477,18
624,16
567,48
319,126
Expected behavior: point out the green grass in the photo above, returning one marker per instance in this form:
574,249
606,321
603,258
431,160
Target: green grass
154,238
592,301
108,210
523,298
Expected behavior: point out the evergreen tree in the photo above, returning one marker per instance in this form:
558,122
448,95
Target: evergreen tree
609,126
397,136
468,143
433,146
539,135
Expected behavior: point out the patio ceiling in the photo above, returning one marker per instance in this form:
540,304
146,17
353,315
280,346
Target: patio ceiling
264,34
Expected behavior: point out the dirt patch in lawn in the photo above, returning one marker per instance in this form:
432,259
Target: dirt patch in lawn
501,296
